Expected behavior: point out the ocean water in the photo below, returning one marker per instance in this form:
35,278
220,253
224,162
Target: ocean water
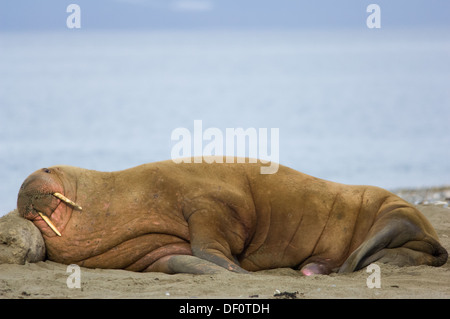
358,107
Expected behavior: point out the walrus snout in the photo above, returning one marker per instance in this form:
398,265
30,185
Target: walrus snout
31,204
39,196
35,194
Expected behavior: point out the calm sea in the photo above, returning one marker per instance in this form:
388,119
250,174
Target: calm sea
358,107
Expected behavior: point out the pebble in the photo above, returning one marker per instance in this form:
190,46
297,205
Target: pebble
441,203
439,196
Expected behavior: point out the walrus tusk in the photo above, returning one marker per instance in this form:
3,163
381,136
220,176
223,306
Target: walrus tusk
67,201
49,223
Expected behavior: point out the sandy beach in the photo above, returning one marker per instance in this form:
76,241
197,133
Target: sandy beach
50,280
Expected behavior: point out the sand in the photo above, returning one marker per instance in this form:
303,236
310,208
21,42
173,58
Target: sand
50,280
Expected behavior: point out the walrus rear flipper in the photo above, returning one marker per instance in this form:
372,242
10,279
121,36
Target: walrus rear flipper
398,241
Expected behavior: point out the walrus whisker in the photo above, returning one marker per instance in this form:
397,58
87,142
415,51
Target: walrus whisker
49,223
67,201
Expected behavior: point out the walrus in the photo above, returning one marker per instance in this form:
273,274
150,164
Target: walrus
206,217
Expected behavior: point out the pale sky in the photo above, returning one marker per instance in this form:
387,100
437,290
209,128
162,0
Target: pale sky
221,14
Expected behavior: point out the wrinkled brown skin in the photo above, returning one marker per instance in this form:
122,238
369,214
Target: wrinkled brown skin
201,218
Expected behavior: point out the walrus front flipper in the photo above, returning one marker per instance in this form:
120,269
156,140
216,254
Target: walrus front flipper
398,238
174,264
216,235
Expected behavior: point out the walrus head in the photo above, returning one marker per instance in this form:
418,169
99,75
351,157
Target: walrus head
42,197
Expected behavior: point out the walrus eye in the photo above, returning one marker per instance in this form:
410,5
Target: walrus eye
46,170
